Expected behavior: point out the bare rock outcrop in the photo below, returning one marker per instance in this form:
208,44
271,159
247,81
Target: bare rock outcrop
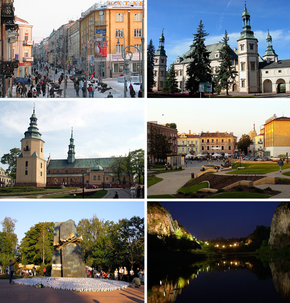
280,226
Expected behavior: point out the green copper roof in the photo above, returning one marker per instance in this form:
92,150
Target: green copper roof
247,32
32,131
269,51
81,163
161,51
71,149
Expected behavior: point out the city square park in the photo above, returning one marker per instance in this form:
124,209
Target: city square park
241,179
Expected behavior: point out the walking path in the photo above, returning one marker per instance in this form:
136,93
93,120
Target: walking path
11,293
174,180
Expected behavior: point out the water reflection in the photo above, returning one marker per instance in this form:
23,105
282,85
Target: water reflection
281,278
249,278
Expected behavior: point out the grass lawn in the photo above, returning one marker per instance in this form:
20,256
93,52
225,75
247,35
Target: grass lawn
286,174
153,180
244,194
40,191
97,195
192,189
161,197
256,168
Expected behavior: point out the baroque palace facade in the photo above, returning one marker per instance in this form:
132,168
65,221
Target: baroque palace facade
33,170
256,74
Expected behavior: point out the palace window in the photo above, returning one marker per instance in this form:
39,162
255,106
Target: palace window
95,178
252,65
242,47
119,33
243,83
251,46
119,17
26,163
243,64
26,172
138,17
99,178
137,32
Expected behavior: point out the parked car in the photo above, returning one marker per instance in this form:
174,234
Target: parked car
91,187
20,79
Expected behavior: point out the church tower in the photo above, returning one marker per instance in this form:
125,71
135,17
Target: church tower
71,150
270,54
31,166
248,57
160,62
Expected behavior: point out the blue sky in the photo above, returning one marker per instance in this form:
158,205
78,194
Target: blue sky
180,20
209,220
223,115
28,213
101,128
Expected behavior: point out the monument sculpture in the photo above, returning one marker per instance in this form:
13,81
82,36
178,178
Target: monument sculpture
67,259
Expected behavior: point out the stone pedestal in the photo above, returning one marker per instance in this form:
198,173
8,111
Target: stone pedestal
67,259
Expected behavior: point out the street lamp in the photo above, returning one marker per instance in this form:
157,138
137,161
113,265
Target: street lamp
104,181
83,173
127,52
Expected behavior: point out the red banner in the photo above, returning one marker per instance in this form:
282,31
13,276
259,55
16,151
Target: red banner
101,51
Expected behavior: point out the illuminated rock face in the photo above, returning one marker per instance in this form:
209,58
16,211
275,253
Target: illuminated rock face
280,226
67,259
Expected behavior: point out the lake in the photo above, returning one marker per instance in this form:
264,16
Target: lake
231,279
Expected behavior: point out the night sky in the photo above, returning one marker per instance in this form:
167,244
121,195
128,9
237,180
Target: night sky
209,220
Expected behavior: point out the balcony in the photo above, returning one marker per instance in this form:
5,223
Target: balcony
28,59
7,13
29,43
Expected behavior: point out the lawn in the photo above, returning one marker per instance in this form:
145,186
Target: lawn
256,168
192,189
161,197
97,195
153,180
243,195
37,191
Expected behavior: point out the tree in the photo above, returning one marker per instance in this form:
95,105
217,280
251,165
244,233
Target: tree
199,67
136,163
119,167
226,73
91,231
244,143
150,66
37,245
8,239
159,146
170,84
171,125
10,159
132,236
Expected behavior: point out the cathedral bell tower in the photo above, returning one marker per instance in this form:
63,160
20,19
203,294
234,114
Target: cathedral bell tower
270,54
31,166
160,62
71,150
248,57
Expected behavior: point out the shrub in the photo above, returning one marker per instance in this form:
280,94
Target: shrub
238,188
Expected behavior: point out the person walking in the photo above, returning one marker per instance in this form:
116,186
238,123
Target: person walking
11,270
77,88
280,163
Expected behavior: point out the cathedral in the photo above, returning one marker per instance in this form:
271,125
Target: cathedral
33,170
256,74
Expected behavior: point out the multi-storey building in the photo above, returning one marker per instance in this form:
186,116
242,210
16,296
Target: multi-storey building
4,179
8,35
170,135
222,142
255,74
187,144
22,48
277,136
73,46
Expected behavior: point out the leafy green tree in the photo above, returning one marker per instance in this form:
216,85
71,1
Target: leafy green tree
150,66
8,241
171,125
119,167
159,146
226,73
170,84
10,160
91,231
37,245
199,67
244,143
132,236
137,163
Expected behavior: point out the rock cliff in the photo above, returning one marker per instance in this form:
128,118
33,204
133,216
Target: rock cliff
160,222
280,226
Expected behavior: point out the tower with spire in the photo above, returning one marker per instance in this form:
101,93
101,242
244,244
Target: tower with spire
160,64
270,54
31,166
248,57
71,150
